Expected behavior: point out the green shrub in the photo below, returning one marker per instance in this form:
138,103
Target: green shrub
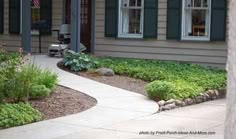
164,90
44,77
17,114
39,91
16,81
159,89
79,61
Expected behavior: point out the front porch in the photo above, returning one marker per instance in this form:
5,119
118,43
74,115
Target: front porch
78,13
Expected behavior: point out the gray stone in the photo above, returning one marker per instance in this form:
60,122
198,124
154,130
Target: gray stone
183,104
170,106
214,97
211,92
189,101
217,93
171,101
105,72
207,96
178,102
161,103
204,99
199,99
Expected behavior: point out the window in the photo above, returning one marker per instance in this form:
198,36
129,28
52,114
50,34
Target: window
35,14
131,18
196,19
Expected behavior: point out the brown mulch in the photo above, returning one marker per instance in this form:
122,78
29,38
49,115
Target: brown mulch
62,102
127,83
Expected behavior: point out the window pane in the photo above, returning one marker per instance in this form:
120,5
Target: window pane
139,3
196,23
125,3
131,21
35,11
197,3
132,2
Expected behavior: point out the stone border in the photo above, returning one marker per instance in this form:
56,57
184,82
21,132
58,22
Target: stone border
203,97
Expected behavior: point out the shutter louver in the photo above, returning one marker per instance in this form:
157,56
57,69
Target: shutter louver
174,19
150,18
111,18
14,16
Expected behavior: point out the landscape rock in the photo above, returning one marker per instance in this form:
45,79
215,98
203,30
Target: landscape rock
214,97
168,107
207,96
183,104
189,101
161,103
178,103
199,99
217,93
105,72
211,92
171,101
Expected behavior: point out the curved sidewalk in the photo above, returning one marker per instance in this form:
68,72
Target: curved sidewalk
114,106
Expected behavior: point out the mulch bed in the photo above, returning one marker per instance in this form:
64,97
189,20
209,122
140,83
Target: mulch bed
127,83
62,102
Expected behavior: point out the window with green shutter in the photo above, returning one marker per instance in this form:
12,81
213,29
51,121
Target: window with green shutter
40,10
1,15
131,18
202,20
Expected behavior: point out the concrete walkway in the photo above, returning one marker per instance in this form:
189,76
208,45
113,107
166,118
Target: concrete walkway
120,114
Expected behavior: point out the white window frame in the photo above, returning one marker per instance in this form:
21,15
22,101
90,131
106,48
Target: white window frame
120,34
195,38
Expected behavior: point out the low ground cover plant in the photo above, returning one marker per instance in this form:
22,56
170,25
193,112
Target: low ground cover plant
19,82
170,79
79,61
17,114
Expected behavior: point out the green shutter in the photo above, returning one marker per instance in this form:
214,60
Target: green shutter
46,14
218,20
111,18
150,19
1,15
174,19
14,16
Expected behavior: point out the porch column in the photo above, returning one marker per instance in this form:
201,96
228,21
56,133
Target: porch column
75,25
26,25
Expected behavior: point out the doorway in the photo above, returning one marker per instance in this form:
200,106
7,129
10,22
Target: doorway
85,18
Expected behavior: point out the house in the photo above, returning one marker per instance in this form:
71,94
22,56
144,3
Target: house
181,30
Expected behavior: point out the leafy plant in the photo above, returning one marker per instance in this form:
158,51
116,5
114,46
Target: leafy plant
79,61
16,78
159,89
39,91
185,77
18,114
44,77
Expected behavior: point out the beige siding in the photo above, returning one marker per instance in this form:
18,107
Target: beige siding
207,53
13,42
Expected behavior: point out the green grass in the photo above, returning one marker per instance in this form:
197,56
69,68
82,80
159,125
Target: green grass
18,114
183,76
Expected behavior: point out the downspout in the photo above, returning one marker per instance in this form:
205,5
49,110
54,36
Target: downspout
93,6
